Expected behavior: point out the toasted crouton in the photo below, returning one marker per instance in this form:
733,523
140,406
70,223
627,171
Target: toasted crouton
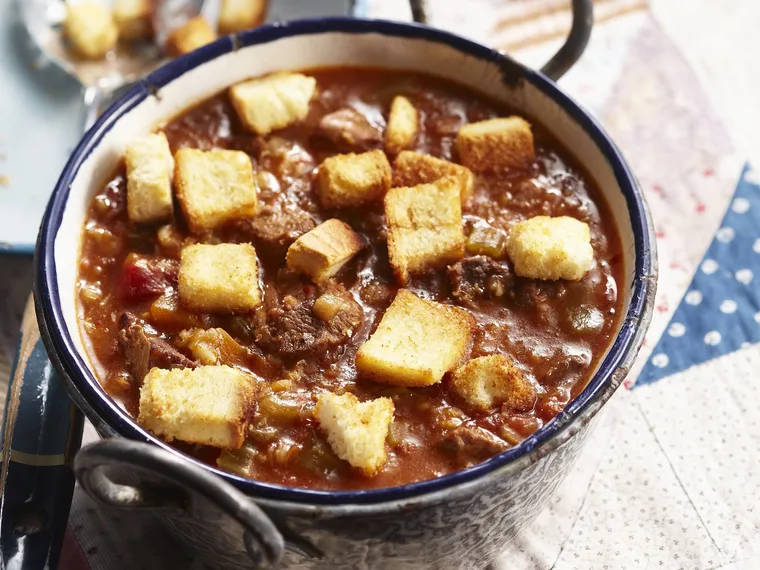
490,381
551,248
353,179
150,167
90,28
273,102
416,342
403,124
214,187
221,278
321,252
195,33
208,405
495,144
355,430
238,15
134,18
413,168
424,227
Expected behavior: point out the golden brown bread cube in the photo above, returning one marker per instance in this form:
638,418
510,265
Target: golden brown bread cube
403,124
491,381
266,104
350,180
208,405
221,278
356,430
134,19
150,167
214,187
424,227
90,28
551,248
238,15
416,342
413,168
496,144
195,33
323,251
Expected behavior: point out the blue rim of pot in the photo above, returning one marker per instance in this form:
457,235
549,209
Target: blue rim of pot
112,420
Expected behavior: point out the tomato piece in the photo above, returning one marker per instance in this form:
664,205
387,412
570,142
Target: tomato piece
144,276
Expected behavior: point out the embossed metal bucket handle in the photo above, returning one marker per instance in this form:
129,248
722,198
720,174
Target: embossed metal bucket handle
568,54
180,479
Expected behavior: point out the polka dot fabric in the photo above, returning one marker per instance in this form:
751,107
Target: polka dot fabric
720,312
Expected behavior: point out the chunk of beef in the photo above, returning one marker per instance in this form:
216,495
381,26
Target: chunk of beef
479,277
470,444
286,159
278,227
143,351
377,294
344,314
535,294
565,364
252,145
111,204
349,130
293,328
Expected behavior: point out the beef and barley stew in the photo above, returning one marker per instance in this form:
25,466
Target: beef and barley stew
347,278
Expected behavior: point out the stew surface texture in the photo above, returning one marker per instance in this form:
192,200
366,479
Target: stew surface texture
553,331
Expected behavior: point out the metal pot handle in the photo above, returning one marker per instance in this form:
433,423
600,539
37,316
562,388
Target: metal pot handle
568,54
165,482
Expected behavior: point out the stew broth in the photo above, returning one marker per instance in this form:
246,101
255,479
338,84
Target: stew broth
556,331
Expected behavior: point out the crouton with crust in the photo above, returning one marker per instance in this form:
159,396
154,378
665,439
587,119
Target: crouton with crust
134,18
413,168
208,405
90,28
416,342
195,33
221,278
491,381
550,248
424,227
150,167
403,124
273,102
238,15
321,252
214,187
356,430
496,144
350,180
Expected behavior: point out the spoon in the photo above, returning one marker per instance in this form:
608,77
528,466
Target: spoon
43,20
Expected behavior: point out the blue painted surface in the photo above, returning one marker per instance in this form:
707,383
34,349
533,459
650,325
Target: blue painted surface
720,312
47,429
41,427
